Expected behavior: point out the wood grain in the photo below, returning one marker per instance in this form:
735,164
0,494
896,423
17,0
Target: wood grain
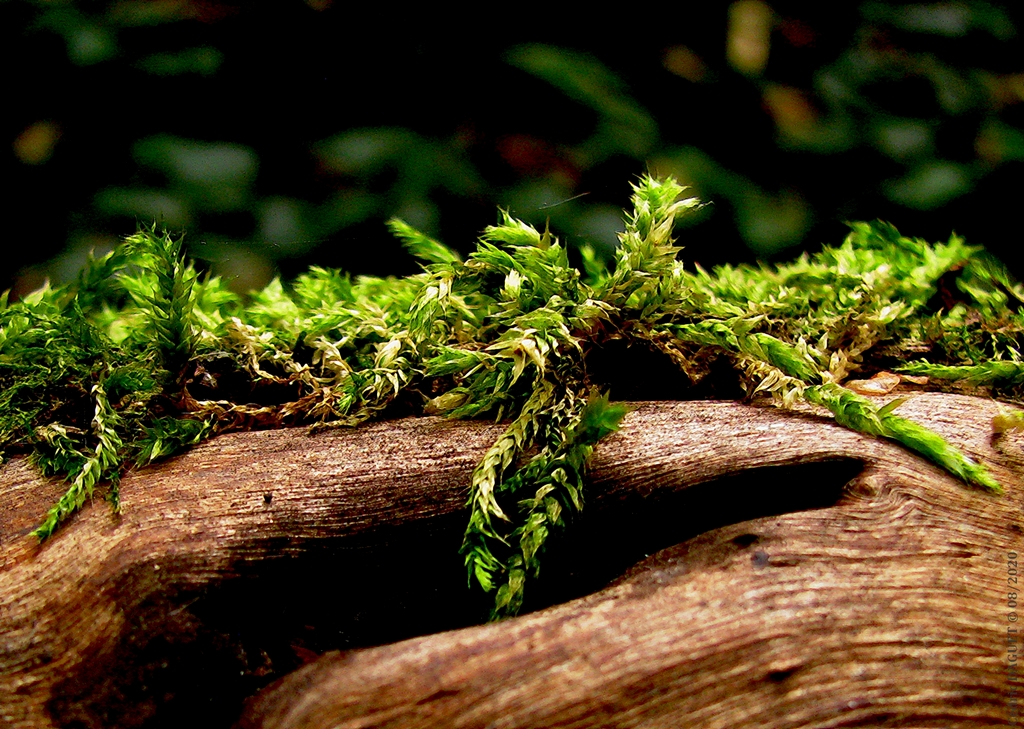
819,579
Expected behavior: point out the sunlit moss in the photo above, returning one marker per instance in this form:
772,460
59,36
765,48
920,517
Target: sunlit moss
140,358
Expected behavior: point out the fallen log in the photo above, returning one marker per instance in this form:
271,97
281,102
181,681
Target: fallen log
821,578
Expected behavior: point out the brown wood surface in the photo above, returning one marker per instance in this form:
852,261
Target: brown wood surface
819,579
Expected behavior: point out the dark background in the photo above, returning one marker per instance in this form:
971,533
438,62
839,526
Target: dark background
279,135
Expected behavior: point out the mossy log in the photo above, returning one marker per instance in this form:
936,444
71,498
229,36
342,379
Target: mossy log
808,577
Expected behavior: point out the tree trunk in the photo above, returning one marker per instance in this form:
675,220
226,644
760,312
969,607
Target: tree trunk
809,577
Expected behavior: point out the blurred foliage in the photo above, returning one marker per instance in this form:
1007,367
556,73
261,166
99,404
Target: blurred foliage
283,135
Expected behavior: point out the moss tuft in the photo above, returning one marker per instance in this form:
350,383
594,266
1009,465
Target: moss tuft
139,358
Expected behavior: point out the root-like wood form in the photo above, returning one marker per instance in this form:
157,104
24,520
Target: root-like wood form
870,589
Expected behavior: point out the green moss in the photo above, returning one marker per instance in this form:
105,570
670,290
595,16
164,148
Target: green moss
140,358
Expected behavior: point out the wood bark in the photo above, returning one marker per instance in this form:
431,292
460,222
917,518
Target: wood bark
808,577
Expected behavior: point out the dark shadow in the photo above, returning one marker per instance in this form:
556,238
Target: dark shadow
634,372
605,543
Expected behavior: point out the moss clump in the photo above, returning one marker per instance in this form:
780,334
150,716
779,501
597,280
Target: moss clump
140,358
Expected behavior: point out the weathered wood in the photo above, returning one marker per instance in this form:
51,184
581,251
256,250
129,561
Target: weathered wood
885,605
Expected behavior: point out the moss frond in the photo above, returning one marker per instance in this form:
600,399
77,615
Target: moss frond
160,283
103,463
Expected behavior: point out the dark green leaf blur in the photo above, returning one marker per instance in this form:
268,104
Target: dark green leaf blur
279,135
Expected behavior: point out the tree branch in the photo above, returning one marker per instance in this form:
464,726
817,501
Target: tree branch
798,598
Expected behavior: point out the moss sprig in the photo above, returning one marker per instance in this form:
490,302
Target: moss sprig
160,282
88,470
